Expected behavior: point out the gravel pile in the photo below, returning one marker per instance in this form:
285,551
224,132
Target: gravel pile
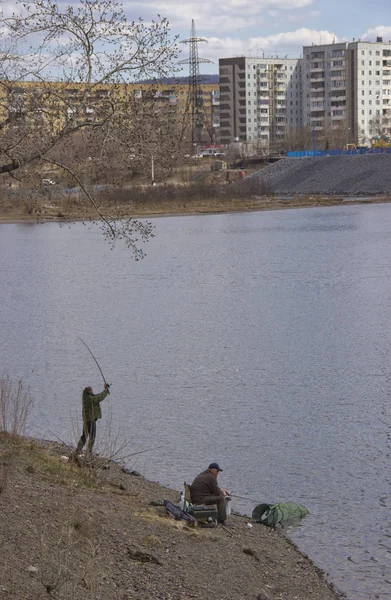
356,175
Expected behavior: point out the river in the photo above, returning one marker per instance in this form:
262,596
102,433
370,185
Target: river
258,340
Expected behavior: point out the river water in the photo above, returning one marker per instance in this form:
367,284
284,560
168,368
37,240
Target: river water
258,340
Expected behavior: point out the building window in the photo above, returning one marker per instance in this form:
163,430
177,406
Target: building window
363,62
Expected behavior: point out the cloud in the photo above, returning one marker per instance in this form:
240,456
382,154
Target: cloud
383,31
220,15
290,43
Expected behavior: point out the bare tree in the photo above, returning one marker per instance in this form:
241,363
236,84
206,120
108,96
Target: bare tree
66,99
380,126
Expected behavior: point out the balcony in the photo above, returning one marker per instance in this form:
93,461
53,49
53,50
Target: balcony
317,114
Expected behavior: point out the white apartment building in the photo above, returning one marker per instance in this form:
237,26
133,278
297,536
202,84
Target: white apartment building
340,91
260,99
370,88
347,90
326,95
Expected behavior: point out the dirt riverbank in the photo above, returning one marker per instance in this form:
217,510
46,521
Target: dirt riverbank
65,211
80,532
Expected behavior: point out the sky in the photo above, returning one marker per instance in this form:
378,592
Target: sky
273,27
259,27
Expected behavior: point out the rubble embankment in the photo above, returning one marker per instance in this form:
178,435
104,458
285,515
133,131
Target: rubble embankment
352,175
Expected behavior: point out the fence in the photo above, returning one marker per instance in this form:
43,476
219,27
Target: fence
305,153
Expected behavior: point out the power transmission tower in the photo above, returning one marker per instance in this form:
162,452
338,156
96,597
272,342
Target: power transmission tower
195,104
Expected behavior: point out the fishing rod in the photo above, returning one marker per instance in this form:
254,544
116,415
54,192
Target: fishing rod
60,440
97,364
142,451
243,497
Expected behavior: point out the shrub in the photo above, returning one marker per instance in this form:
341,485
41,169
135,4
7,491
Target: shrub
16,404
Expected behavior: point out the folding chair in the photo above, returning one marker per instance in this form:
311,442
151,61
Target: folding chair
201,512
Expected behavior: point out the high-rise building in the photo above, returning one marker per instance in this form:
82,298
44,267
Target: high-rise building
347,91
340,93
370,89
327,102
260,99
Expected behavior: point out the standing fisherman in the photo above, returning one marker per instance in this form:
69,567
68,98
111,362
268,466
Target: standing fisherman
91,410
91,413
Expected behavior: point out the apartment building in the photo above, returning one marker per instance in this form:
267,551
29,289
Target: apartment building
55,103
370,89
176,96
347,90
326,95
260,99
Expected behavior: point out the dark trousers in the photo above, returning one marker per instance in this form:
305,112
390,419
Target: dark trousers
89,435
221,506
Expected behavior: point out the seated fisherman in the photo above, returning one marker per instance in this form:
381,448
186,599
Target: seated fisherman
204,490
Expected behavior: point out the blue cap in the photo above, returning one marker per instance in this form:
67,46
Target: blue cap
214,466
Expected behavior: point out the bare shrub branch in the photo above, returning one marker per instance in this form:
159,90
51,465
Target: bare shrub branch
66,100
16,404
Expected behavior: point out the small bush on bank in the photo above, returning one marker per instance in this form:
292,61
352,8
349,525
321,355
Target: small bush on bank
16,403
140,196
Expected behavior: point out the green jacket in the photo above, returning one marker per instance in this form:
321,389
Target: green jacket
91,405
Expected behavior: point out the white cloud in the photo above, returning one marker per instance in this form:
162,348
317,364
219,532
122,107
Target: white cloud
290,43
220,15
383,31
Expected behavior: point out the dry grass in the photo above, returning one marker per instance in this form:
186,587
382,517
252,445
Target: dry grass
51,468
16,403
